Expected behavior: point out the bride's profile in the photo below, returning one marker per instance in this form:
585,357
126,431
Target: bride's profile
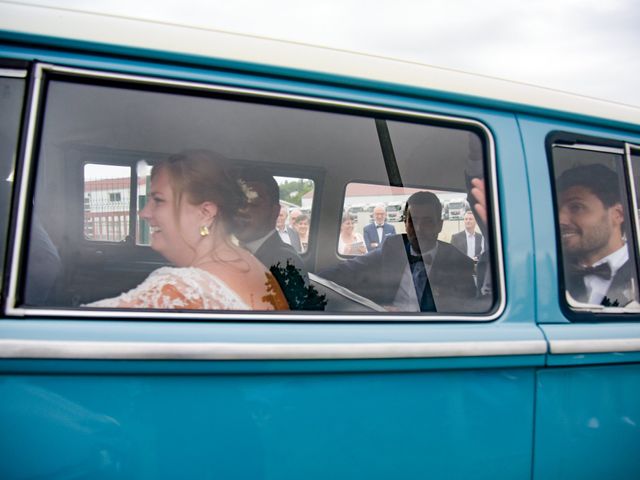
192,209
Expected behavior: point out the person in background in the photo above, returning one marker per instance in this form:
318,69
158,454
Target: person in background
469,241
192,212
350,242
257,234
287,233
377,232
301,224
293,214
415,271
597,265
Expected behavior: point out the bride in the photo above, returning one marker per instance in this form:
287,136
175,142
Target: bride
192,208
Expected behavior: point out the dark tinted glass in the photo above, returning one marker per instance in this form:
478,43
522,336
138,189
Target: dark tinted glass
11,98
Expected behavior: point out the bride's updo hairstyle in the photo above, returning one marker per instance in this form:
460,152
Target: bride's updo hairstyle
199,176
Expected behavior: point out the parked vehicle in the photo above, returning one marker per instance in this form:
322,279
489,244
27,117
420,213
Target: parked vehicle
454,209
522,379
394,211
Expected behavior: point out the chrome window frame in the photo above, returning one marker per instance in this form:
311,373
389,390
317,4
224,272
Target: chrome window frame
35,112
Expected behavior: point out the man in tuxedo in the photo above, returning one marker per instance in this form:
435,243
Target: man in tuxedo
287,234
598,269
257,231
468,241
414,271
377,232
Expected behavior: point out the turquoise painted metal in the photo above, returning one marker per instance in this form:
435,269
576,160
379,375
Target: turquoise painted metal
587,423
341,425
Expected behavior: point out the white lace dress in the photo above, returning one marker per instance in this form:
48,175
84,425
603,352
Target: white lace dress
178,288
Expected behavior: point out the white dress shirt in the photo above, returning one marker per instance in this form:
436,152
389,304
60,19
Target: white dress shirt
284,235
471,244
406,299
597,287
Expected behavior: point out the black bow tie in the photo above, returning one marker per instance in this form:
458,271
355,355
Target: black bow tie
603,270
379,226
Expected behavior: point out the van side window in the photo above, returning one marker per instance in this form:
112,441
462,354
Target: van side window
595,227
11,97
178,199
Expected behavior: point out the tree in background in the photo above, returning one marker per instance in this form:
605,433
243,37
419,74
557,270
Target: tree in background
293,191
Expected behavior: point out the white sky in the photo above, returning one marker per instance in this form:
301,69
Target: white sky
589,47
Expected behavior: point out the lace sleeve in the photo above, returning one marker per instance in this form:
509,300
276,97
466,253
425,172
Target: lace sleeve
177,288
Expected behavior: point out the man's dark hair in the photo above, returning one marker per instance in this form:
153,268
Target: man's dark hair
600,180
424,198
261,176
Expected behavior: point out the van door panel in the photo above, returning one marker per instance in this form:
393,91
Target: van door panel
587,407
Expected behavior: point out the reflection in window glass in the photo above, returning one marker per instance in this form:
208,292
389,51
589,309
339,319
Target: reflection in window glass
595,229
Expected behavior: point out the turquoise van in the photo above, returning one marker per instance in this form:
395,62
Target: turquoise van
524,363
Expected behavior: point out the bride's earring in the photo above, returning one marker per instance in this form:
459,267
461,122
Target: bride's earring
205,230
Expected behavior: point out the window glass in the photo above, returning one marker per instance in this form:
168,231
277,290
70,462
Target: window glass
11,96
435,256
106,202
228,193
594,225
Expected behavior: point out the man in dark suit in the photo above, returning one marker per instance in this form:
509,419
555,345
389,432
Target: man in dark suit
377,232
468,241
257,232
287,234
597,265
414,271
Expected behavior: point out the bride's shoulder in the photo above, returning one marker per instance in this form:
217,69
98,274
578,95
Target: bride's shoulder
215,292
173,287
190,277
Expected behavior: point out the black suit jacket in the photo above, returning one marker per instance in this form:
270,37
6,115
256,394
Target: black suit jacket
377,275
274,251
295,288
294,237
620,293
459,240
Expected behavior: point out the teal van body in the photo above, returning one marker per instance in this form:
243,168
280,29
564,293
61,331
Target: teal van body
525,391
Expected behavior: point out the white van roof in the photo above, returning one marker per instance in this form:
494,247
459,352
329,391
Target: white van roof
84,25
